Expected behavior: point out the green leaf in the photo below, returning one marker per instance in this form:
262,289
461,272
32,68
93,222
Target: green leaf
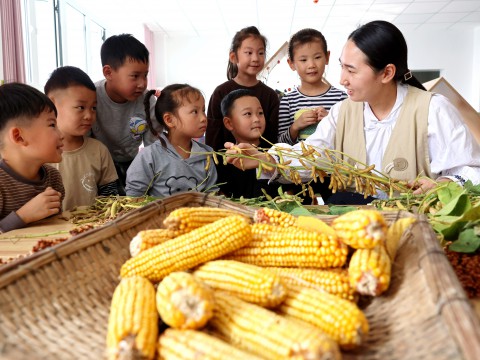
456,206
300,211
447,193
467,242
472,189
458,225
341,209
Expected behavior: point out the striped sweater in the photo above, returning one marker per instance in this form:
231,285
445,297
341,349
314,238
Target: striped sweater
16,191
295,100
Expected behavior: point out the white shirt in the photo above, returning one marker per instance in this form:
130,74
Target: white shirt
453,149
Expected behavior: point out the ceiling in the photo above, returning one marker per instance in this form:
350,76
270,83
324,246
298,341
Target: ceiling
281,18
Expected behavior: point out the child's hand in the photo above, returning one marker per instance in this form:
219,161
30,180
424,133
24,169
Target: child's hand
321,113
248,150
41,206
304,119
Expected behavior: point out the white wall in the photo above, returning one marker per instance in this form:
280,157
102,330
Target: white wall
203,62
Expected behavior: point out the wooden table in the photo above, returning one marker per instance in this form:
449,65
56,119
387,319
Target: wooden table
21,241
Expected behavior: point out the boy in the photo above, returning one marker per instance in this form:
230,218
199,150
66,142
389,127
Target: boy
243,116
87,168
29,138
121,124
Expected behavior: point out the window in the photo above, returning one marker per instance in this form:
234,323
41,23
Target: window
59,33
426,75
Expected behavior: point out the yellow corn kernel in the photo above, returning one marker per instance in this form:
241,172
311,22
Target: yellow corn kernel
340,319
369,270
274,217
333,281
361,229
190,344
263,332
186,219
290,247
189,250
183,301
248,282
394,234
146,239
133,320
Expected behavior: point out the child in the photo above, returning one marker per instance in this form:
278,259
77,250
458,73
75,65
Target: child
246,60
121,124
243,116
87,168
303,108
29,138
175,162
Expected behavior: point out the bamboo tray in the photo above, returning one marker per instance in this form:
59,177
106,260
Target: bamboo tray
55,303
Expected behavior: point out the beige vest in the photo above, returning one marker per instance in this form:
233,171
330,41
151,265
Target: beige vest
406,155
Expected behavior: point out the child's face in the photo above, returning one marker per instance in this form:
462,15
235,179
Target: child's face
250,56
42,140
309,61
128,82
246,121
192,120
76,106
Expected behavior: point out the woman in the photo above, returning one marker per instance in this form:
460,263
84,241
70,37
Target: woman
389,120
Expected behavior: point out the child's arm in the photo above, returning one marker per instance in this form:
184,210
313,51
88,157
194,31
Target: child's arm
40,207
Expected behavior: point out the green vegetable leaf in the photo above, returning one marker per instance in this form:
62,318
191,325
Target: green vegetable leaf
472,189
300,211
456,206
467,242
448,192
341,209
458,225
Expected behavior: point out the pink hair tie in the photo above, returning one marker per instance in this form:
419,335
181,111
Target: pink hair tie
158,92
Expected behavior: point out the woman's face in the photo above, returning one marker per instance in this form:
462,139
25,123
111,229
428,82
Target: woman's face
361,82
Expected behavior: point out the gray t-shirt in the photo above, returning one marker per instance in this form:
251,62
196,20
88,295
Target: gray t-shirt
122,127
159,171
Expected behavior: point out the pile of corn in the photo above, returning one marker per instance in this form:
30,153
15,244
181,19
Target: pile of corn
213,285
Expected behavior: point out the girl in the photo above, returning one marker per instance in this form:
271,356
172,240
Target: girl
389,120
303,108
175,162
246,60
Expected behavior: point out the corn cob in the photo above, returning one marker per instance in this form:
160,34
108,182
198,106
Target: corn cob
183,301
186,219
189,250
276,246
133,320
394,234
248,282
146,239
369,270
261,331
333,281
274,217
340,319
314,224
196,345
361,229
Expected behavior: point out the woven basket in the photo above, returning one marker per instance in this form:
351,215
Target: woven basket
55,304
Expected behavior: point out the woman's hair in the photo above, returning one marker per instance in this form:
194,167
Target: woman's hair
383,43
303,37
251,31
170,99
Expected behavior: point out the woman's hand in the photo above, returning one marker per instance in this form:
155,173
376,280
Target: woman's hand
41,206
250,151
422,185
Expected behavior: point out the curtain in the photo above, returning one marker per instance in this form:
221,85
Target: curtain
150,44
12,41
